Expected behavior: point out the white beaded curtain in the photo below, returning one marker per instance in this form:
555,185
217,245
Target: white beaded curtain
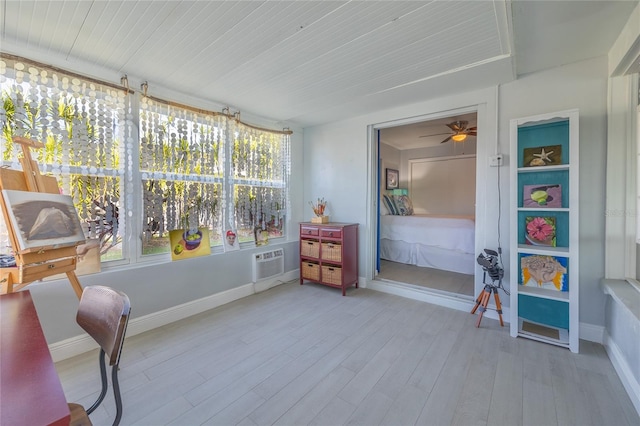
82,124
181,165
260,161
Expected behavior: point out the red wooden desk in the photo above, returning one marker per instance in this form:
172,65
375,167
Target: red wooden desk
30,390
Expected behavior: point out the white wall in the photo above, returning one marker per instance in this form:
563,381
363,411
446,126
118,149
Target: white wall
400,160
342,147
443,186
346,150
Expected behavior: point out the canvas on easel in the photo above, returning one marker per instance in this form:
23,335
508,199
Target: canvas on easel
43,221
43,245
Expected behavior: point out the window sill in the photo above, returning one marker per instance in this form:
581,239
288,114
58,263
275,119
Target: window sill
625,293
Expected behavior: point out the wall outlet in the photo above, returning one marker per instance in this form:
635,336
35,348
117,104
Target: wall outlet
495,160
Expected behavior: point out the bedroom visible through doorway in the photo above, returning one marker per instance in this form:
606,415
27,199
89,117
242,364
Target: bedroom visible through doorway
426,224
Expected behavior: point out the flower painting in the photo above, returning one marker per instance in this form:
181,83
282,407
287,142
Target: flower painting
540,231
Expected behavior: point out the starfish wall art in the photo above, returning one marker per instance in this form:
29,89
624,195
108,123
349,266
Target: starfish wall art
542,156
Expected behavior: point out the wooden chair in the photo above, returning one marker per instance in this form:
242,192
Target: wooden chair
103,313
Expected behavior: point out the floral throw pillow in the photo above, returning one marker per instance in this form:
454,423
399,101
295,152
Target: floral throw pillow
404,205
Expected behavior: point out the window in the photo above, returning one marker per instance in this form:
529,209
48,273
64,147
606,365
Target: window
181,169
206,169
82,124
195,168
259,163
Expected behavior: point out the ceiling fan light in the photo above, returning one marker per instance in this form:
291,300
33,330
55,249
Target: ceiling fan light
459,137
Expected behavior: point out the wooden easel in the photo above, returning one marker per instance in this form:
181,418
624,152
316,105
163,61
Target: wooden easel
33,265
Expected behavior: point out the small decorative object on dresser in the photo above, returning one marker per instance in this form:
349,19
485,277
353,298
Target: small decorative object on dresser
329,254
318,209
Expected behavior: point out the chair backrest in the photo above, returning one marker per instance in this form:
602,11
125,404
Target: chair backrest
104,313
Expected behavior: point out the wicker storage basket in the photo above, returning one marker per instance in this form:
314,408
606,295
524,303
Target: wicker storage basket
332,274
310,248
332,251
311,271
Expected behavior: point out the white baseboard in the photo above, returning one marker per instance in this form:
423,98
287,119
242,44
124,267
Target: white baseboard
272,282
430,296
625,373
80,344
592,333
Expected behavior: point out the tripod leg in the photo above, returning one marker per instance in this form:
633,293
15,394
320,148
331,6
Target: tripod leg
483,308
498,306
478,300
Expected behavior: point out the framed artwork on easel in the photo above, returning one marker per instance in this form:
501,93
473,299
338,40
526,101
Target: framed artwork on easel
43,225
43,220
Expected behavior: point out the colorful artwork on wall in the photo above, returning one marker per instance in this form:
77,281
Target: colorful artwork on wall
231,242
188,243
261,236
540,231
542,156
541,271
542,196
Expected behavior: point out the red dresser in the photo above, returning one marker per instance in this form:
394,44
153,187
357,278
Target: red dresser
329,254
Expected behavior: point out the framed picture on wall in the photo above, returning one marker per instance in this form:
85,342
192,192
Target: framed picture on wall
542,156
392,178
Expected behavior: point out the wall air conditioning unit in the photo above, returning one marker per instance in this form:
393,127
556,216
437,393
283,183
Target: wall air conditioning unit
268,264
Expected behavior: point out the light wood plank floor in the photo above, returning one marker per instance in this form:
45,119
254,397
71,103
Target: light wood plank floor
305,355
435,279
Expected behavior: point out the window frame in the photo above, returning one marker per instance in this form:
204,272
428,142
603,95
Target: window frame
228,180
131,204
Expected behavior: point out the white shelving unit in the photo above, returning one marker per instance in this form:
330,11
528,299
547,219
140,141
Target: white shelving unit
545,287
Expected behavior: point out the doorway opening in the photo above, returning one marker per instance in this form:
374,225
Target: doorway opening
427,239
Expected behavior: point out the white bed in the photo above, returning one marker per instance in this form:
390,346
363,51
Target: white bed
434,241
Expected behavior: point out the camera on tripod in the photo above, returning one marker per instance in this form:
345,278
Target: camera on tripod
490,264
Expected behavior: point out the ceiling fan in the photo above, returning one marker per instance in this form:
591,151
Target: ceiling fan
460,129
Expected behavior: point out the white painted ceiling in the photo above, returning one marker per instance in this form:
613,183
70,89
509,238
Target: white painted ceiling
311,62
425,134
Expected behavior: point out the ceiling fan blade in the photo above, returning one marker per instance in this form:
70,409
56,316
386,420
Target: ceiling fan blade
472,133
458,126
446,140
473,129
437,134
